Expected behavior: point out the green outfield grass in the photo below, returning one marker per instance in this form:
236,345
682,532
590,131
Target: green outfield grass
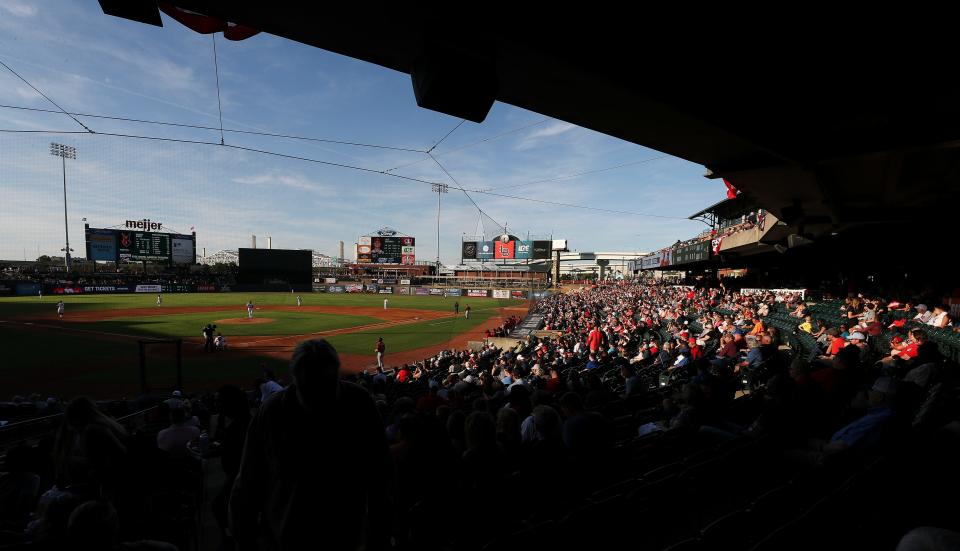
191,325
405,337
24,306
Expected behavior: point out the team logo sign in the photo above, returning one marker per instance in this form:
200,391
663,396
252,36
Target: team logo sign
124,240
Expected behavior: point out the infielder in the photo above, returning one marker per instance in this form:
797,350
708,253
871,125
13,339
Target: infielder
466,312
384,304
60,309
159,300
299,300
249,309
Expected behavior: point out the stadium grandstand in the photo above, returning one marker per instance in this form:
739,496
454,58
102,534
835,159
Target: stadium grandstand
784,377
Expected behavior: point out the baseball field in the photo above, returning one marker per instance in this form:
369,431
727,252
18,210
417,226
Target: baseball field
94,349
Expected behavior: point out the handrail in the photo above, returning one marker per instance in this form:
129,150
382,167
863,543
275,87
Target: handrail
20,431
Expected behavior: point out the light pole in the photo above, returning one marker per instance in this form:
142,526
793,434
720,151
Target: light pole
439,189
64,152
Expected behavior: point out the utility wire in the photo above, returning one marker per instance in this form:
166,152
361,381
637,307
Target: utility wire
577,174
46,97
214,128
446,135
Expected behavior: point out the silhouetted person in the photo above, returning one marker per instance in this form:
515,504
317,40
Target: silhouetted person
232,424
315,464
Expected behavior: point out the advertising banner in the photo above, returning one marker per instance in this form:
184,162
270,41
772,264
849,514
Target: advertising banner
404,290
101,245
518,294
438,292
651,261
385,291
423,291
501,293
476,292
329,280
504,250
468,250
206,288
177,288
404,282
148,289
541,249
666,258
336,289
408,250
364,240
449,292
541,294
106,289
355,288
182,250
484,250
27,289
68,290
372,287
408,260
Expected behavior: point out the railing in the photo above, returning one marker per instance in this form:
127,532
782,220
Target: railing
31,430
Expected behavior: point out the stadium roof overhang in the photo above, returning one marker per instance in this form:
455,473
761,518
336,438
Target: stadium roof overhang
727,209
826,128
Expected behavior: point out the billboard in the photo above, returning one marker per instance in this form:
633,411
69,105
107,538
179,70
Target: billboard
501,293
666,257
438,292
102,245
354,287
518,294
512,249
376,249
449,292
423,291
183,249
476,292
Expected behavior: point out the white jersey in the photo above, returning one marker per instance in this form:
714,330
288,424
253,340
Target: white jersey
384,304
299,300
60,308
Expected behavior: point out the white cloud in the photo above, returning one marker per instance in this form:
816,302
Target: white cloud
18,9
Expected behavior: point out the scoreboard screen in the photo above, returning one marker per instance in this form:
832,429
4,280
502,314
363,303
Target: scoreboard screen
378,249
137,246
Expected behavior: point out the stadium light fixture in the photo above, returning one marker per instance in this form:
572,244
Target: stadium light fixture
64,152
439,189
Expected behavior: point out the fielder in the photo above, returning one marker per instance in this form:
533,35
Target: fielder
299,300
159,300
466,312
60,309
250,309
384,304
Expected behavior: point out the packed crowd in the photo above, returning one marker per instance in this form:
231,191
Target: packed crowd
624,378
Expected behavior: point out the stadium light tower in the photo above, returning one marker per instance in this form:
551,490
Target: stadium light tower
64,152
439,189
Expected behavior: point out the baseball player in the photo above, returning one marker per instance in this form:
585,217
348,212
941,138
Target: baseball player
60,309
299,300
466,312
384,304
249,309
159,300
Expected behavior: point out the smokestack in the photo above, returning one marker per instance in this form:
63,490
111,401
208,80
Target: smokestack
204,252
341,250
269,242
253,240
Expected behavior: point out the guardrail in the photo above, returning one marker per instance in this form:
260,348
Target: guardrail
31,430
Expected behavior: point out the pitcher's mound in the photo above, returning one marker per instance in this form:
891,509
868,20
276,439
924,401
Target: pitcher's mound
239,321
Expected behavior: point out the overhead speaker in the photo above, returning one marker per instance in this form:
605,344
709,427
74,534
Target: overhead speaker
458,83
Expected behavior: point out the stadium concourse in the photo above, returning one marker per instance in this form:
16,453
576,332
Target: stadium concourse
698,417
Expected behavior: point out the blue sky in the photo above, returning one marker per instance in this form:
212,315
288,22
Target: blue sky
92,63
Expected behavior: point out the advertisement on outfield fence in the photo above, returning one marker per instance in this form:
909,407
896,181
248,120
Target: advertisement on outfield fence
404,282
476,292
106,289
449,292
501,293
372,287
68,290
439,292
148,289
329,280
518,294
405,290
336,289
541,294
355,288
386,291
421,291
177,288
206,288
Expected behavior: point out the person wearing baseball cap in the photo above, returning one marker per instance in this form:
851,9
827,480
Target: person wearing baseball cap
923,314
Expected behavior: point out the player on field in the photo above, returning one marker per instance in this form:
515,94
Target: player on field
60,309
249,309
159,300
299,300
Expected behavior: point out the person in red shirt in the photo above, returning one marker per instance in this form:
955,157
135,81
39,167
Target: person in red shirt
404,374
595,339
696,351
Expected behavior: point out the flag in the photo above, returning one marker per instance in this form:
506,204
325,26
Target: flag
731,191
716,245
192,227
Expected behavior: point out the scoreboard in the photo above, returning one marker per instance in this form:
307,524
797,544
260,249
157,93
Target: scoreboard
386,249
140,246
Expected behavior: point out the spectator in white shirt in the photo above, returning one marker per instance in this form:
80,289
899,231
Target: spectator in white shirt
923,315
269,387
939,318
174,438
